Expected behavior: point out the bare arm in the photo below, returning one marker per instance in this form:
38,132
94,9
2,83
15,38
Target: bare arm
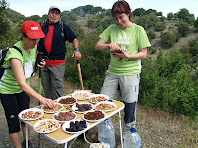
20,77
101,45
76,54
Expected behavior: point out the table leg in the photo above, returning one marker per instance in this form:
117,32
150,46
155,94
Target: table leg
26,129
65,146
120,122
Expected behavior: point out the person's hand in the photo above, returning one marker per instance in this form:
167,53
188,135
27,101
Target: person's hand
112,46
48,103
77,55
121,54
42,63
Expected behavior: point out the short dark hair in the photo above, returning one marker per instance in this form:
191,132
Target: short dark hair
25,35
120,7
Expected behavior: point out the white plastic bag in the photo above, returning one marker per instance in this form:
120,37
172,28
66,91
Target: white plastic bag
99,145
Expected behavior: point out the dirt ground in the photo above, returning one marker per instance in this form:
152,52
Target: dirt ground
157,129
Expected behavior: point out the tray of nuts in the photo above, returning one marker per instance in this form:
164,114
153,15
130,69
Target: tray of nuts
98,98
46,126
81,95
105,106
31,114
58,107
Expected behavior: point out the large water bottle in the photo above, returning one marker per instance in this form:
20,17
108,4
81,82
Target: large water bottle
106,133
132,139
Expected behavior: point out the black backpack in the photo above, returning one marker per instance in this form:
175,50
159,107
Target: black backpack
3,53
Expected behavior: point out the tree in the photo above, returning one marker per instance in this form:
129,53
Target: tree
4,24
159,26
183,28
34,18
170,16
90,23
139,12
185,16
196,24
151,35
168,39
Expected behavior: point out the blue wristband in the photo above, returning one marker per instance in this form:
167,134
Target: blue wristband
77,49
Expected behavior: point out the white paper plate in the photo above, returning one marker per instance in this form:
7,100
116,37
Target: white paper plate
64,120
64,97
108,103
28,110
75,109
81,95
106,98
53,111
67,125
93,120
47,123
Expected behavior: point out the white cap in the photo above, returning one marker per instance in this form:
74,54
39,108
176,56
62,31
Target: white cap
54,7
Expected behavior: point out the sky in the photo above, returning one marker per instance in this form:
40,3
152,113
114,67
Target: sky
41,7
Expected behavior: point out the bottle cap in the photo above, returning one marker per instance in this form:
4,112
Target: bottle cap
133,130
110,100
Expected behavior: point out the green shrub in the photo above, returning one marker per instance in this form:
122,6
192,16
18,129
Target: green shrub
168,39
160,26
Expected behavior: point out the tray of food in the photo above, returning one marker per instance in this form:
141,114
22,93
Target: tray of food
81,95
105,106
46,126
75,126
64,116
66,100
31,114
98,98
58,107
82,107
94,116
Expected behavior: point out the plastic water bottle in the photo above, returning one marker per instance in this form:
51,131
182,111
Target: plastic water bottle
106,133
132,139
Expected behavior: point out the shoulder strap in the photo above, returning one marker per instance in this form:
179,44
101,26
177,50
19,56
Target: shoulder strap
61,25
17,48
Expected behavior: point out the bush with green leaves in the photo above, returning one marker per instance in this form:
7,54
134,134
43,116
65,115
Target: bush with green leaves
160,26
183,28
196,24
168,39
93,64
166,83
151,34
190,51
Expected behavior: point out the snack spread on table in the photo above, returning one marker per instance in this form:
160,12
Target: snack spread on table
65,116
31,115
105,106
95,115
96,99
47,126
67,100
83,107
76,126
56,108
81,95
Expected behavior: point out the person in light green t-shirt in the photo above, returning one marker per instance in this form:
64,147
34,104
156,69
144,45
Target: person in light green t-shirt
15,92
128,44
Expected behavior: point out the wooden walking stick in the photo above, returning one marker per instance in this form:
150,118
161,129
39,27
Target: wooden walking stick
80,75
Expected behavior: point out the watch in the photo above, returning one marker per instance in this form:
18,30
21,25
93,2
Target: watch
77,49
